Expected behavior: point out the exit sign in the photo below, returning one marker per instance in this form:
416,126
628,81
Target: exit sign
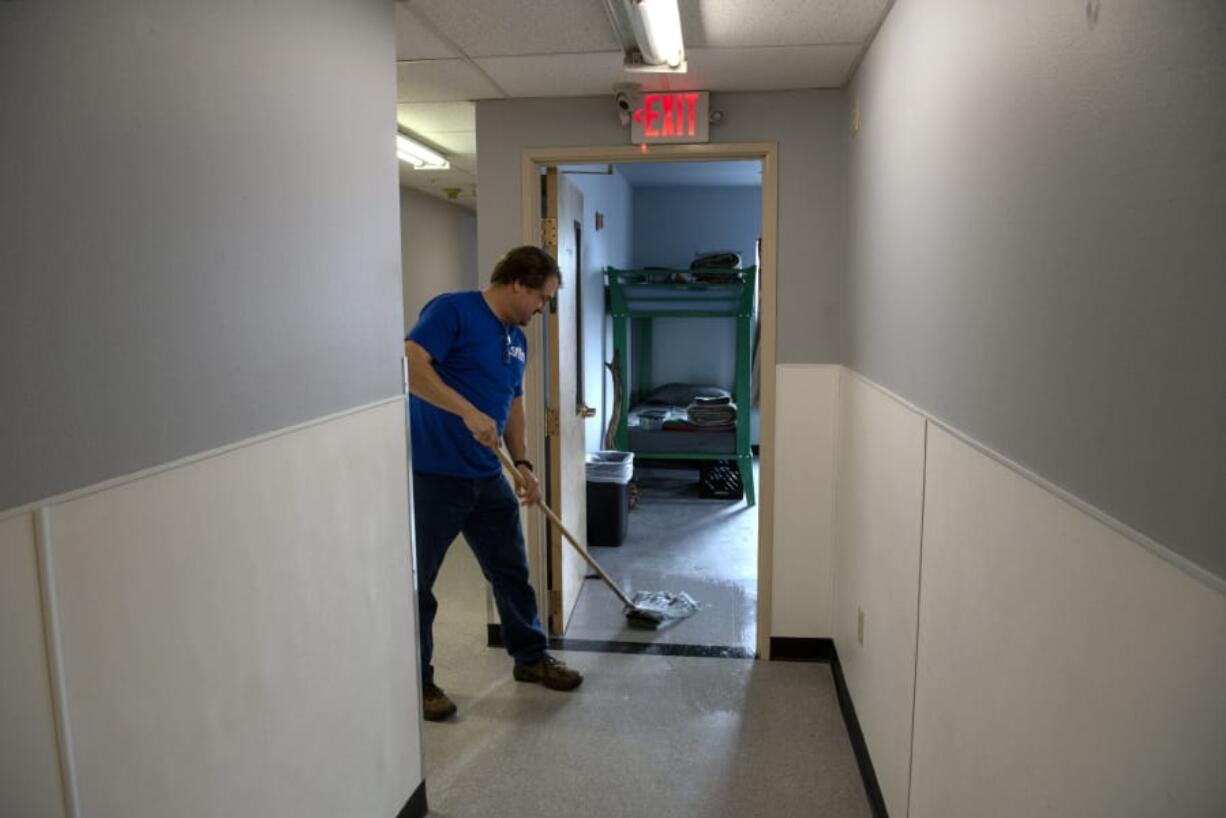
674,117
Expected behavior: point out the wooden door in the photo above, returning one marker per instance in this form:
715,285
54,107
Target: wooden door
565,413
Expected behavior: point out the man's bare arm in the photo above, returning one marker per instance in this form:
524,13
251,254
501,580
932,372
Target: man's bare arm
514,434
529,490
425,383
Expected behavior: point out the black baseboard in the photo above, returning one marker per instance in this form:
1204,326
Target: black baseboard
792,649
416,806
876,801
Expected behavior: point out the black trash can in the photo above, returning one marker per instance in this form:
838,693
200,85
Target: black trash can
608,497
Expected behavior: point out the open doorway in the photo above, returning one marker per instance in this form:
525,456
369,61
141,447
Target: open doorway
682,396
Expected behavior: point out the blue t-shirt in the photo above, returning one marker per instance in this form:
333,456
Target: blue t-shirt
481,358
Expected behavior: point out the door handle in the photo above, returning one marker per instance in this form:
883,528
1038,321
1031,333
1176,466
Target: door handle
585,411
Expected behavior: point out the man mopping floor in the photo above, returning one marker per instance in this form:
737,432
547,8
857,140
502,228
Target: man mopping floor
466,357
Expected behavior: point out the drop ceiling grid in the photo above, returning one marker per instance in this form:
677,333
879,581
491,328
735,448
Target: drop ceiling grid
451,52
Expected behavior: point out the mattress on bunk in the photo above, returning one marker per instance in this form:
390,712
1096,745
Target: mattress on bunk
672,400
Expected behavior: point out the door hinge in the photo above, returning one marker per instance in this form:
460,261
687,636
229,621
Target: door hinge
555,603
553,424
549,232
404,376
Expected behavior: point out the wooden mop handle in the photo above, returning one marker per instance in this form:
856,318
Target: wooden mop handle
509,465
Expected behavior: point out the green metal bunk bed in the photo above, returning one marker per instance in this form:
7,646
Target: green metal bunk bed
636,298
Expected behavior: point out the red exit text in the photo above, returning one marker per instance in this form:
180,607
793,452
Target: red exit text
680,117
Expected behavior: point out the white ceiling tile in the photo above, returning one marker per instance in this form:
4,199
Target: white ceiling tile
464,161
487,28
770,69
453,142
551,76
738,23
430,117
436,183
441,81
572,75
452,177
415,41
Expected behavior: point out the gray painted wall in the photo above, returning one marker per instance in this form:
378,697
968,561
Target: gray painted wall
438,244
197,228
810,128
1036,244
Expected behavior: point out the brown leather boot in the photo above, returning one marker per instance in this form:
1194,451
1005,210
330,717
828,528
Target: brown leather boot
435,705
550,672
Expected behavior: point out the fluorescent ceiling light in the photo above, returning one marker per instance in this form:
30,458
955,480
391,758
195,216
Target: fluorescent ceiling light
657,30
418,155
650,34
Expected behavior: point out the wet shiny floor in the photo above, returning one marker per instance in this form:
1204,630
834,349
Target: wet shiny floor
644,735
677,541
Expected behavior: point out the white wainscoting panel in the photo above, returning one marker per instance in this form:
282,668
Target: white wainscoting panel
802,575
879,507
29,761
238,632
1063,669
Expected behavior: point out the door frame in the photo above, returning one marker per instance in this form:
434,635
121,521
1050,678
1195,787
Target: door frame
531,162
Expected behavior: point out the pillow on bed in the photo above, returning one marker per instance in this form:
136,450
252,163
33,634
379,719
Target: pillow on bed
683,394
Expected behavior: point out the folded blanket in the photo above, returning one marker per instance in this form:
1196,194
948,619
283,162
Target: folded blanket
712,413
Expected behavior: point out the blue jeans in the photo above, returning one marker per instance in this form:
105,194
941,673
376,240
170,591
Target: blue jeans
486,512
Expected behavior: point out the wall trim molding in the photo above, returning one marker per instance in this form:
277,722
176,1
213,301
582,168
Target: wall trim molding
55,662
1197,572
416,806
114,482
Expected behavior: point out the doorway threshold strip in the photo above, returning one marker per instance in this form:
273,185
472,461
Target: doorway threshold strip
652,648
494,640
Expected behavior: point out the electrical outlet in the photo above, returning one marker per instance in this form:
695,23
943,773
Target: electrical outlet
860,627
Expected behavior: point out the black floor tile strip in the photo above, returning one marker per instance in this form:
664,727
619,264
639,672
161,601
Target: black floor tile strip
651,648
494,640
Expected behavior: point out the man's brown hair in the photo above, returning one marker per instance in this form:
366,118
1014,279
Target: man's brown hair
529,266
